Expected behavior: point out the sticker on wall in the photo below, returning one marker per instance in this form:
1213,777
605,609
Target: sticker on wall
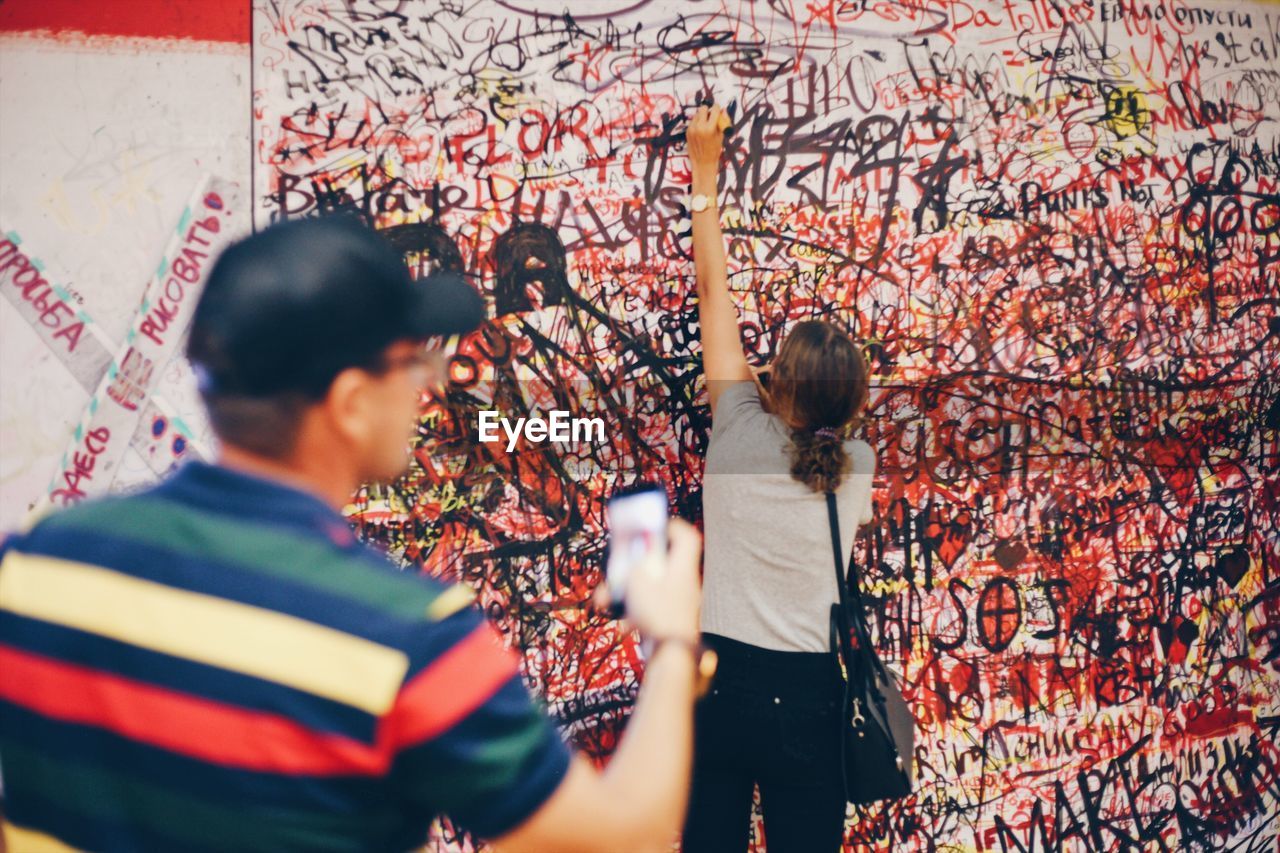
68,330
122,399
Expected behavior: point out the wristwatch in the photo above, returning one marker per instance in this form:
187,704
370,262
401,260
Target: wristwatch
705,660
700,202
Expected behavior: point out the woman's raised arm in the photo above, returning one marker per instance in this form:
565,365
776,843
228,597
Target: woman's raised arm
722,358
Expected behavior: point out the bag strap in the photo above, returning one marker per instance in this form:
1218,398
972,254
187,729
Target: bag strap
848,585
833,520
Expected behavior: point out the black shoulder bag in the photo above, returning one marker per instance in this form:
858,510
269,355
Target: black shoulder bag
877,732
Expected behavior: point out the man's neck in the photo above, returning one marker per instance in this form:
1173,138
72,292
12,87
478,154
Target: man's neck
320,478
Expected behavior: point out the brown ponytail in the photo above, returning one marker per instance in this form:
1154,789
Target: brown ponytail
818,462
819,387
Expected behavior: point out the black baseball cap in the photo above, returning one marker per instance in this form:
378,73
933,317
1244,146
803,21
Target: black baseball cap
288,308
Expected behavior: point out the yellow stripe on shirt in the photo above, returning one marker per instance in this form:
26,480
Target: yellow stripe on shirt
19,840
252,640
450,601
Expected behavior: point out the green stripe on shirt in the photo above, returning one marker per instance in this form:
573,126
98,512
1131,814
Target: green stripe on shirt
122,798
303,559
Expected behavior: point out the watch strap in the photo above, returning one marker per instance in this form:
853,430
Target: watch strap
705,659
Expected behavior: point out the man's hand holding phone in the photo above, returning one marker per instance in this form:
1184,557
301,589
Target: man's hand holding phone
652,576
664,592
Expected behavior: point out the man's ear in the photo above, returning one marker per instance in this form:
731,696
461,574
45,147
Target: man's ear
346,406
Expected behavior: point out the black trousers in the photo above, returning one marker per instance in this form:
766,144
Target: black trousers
771,719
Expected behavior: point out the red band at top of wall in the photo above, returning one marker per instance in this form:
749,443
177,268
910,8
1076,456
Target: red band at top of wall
200,20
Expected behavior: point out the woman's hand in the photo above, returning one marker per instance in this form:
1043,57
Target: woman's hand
705,139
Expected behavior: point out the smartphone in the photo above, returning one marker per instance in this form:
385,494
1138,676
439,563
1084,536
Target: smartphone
637,521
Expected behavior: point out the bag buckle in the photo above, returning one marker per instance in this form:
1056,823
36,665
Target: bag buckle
857,720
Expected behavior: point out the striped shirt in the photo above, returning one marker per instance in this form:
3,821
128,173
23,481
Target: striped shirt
219,664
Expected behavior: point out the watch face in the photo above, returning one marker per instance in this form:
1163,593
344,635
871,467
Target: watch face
707,662
699,203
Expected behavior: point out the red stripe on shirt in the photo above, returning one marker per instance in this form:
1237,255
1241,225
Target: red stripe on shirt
199,728
455,684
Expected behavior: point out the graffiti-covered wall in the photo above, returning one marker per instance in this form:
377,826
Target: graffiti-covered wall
1055,225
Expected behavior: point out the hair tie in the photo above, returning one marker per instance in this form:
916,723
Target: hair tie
827,432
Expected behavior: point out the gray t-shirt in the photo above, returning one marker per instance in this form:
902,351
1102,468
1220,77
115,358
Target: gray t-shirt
769,578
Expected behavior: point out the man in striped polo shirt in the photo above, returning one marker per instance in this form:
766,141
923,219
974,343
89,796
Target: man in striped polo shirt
217,664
